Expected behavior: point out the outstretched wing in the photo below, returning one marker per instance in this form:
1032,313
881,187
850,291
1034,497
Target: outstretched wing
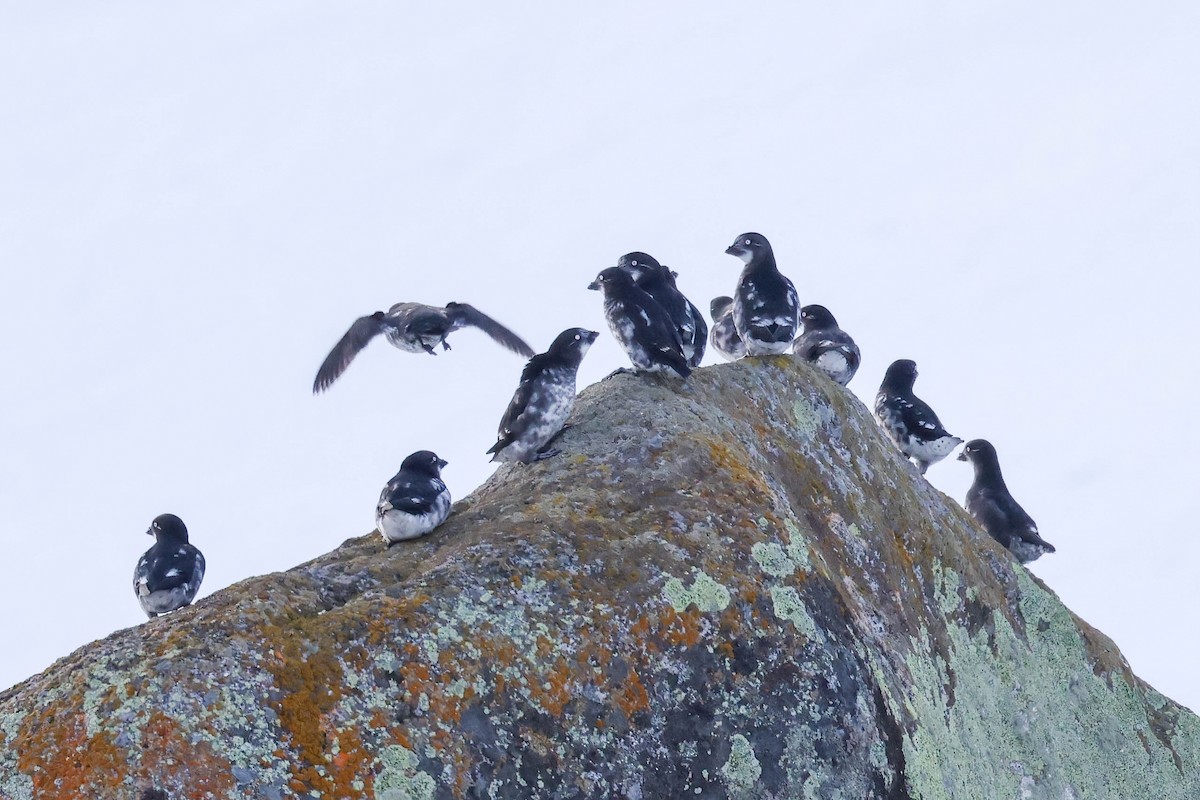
360,334
461,314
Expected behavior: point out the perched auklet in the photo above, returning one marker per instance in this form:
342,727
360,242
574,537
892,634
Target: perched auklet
415,501
991,504
168,575
725,339
826,345
907,419
659,282
539,408
640,324
414,328
766,310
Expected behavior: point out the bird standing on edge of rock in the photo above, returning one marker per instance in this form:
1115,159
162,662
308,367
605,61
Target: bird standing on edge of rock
766,309
168,575
641,326
415,500
908,420
724,336
827,346
659,282
993,506
413,328
539,408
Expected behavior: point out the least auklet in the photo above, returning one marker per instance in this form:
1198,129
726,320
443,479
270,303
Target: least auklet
766,310
827,346
659,282
168,575
908,420
415,500
991,504
641,326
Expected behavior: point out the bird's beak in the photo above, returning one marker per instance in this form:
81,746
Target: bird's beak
591,336
732,250
149,531
594,285
442,462
963,456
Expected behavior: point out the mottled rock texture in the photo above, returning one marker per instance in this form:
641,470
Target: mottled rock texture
731,587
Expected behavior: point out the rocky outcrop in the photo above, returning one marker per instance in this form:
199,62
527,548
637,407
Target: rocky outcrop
731,587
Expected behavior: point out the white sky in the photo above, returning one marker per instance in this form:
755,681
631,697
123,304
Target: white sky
197,199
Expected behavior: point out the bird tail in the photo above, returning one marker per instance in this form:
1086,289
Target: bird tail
462,314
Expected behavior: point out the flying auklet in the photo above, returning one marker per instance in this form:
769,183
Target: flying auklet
415,501
168,575
659,282
826,345
991,504
908,420
766,310
414,328
724,338
539,408
640,324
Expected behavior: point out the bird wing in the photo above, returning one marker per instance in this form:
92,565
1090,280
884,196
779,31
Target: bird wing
919,418
1023,526
699,335
360,334
514,423
461,314
831,342
174,569
413,495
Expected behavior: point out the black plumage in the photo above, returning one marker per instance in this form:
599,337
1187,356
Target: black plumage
766,310
659,282
827,346
908,420
993,506
168,575
724,336
539,408
413,328
640,325
415,500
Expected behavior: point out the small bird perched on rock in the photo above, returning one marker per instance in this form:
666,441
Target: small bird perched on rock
826,345
659,282
991,504
640,324
415,500
168,575
414,328
725,339
766,310
908,420
539,408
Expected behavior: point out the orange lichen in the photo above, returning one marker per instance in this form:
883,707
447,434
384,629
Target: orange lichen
63,761
552,690
632,697
168,757
681,629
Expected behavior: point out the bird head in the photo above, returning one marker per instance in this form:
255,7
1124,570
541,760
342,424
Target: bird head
749,246
168,526
638,264
719,307
612,276
815,317
901,373
425,461
978,450
573,343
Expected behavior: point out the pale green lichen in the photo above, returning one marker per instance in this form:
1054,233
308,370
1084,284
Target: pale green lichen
742,770
772,559
705,593
399,778
808,421
789,606
797,548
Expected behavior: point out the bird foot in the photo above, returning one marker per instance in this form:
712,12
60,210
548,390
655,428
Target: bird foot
616,372
543,454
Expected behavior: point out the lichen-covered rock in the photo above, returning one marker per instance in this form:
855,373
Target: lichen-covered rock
732,587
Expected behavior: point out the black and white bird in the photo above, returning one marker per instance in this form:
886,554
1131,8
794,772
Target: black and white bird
993,507
659,282
826,345
766,310
415,500
539,408
908,420
640,324
724,337
168,575
414,328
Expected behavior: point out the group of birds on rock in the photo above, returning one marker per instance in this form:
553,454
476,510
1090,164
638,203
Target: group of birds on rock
660,331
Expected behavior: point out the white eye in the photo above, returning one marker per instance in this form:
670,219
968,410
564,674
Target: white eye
577,337
633,263
747,243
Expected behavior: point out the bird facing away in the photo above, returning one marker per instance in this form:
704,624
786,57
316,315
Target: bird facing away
826,345
908,420
168,575
993,507
539,408
659,282
640,325
414,328
766,310
725,339
415,500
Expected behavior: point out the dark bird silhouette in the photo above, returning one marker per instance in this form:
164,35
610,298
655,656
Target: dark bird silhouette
539,408
414,328
640,325
168,575
993,507
827,346
659,282
724,337
415,500
766,310
908,420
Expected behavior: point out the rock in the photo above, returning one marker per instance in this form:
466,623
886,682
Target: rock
732,587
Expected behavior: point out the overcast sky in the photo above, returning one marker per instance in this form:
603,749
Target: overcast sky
196,200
